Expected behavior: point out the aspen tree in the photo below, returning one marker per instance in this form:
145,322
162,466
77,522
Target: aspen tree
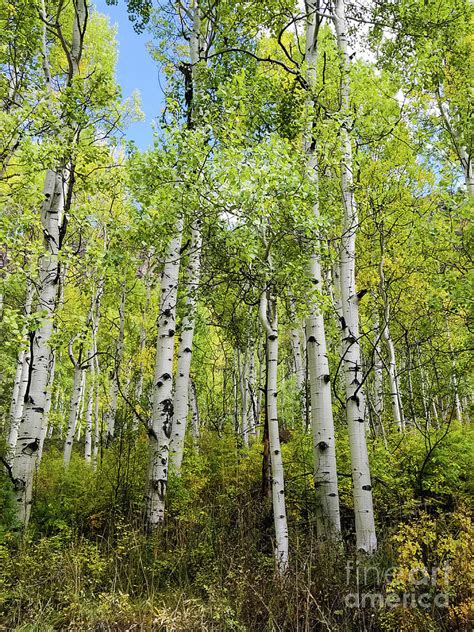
181,395
21,375
269,318
355,402
162,412
322,423
56,198
193,269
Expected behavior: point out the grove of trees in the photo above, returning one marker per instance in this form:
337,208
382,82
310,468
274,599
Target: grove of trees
236,368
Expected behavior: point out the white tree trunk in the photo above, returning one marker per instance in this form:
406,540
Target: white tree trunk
35,398
395,398
80,367
251,386
242,364
299,367
392,376
73,412
269,319
21,375
81,407
49,268
47,408
378,381
355,403
195,423
261,365
328,520
181,394
162,413
378,376
89,409
95,451
235,396
16,407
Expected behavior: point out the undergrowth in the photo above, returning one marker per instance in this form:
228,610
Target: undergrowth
86,563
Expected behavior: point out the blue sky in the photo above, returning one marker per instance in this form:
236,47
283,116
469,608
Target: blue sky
136,71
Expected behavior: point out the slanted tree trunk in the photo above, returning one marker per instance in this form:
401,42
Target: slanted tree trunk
269,319
44,429
181,394
355,402
328,521
29,432
162,413
21,375
57,195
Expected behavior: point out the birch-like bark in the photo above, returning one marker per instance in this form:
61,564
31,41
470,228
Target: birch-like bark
378,376
80,367
21,375
328,521
235,396
114,386
74,404
269,319
40,359
195,423
92,361
81,407
260,384
95,451
395,399
162,413
47,409
89,409
460,149
355,403
242,364
181,394
298,364
454,377
251,388
52,214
